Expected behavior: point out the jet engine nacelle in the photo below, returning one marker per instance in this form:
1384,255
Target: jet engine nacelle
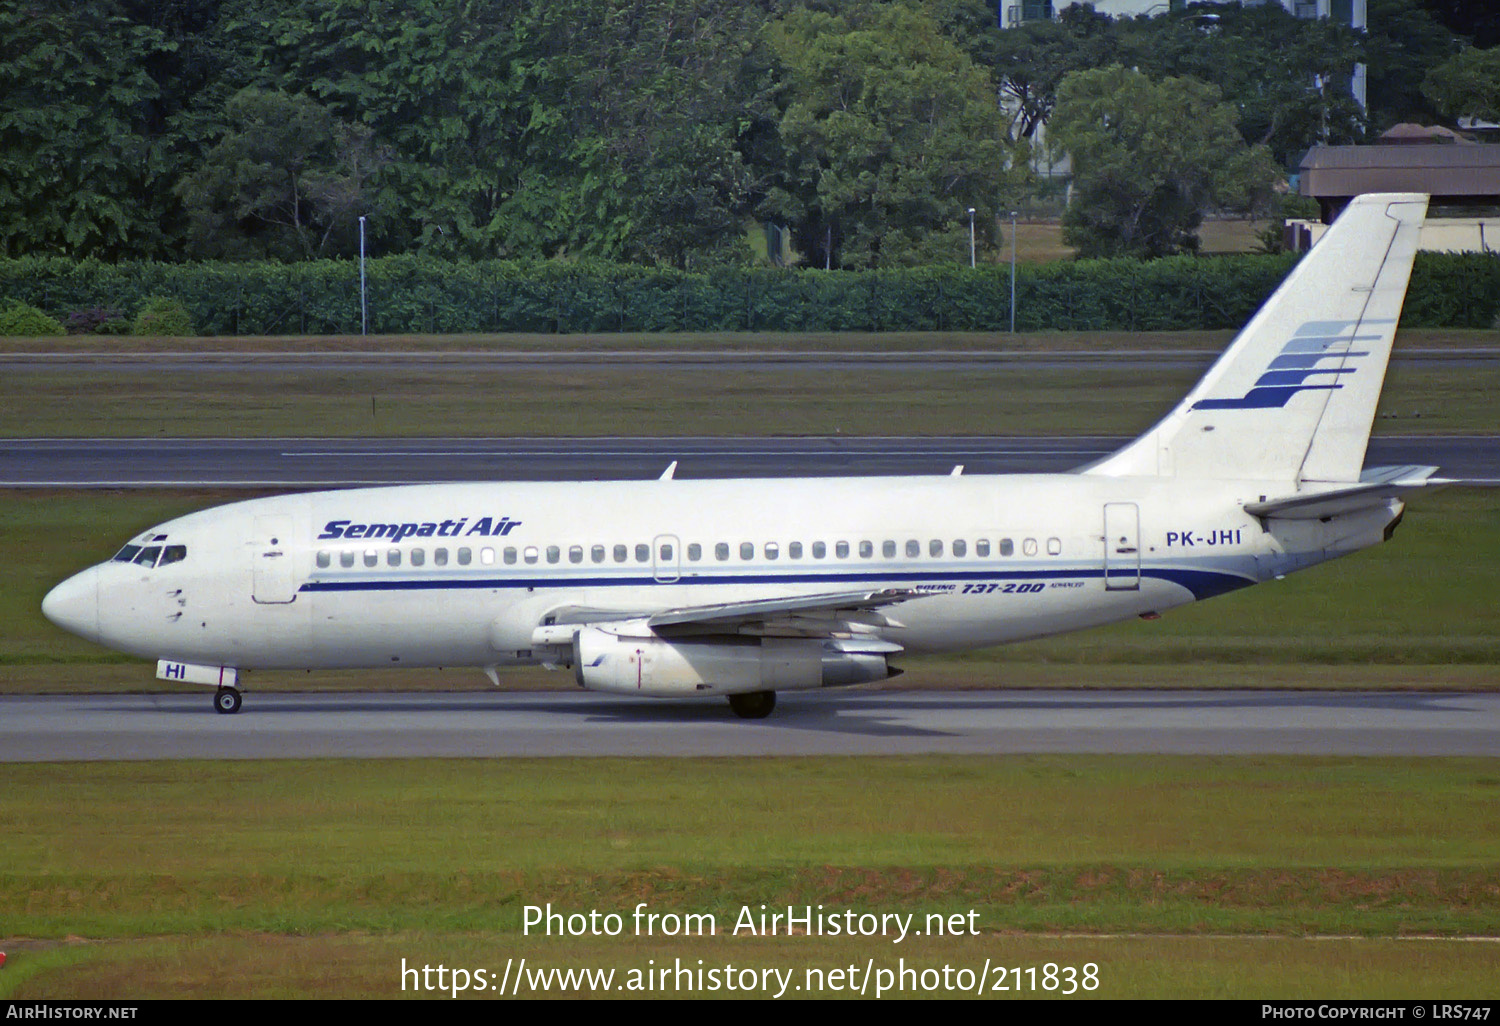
654,666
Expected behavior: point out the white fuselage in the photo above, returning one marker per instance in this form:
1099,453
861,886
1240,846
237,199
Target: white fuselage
463,574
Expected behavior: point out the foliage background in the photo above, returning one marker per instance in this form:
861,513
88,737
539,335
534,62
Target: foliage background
421,294
649,132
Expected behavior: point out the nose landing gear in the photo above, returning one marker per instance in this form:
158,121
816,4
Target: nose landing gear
227,700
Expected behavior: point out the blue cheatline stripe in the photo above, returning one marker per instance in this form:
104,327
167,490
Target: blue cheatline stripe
1202,583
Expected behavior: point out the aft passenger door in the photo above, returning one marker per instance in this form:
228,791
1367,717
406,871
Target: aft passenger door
1122,546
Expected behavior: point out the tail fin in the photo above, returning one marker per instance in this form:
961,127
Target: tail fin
1294,396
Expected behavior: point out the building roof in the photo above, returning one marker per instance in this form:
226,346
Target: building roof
1442,171
1423,135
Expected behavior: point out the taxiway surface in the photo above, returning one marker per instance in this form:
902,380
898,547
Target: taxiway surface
571,723
312,462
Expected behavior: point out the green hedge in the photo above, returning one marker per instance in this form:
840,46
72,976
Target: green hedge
415,295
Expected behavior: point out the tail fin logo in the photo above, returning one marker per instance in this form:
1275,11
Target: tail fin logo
1288,373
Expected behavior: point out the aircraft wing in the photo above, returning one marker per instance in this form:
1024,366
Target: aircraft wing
823,615
759,611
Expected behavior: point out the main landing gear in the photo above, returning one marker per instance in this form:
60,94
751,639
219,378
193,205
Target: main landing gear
753,705
227,700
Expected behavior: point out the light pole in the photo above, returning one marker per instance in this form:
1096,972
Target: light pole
1012,272
364,317
971,237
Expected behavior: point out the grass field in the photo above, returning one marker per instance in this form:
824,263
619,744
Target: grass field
316,878
1041,241
663,400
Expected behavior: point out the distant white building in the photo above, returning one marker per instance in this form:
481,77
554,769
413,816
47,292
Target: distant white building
1017,12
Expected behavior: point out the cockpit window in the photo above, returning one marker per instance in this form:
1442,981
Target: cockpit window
127,554
172,554
147,556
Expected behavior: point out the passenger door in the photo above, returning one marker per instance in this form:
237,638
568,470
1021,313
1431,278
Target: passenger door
1122,546
274,574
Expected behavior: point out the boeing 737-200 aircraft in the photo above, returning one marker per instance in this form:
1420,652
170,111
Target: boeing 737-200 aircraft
743,588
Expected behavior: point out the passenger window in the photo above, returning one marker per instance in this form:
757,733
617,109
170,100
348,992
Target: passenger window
1029,546
1007,547
487,556
643,553
721,551
440,557
819,550
418,557
346,558
772,550
695,552
530,554
888,549
841,550
509,556
597,553
621,553
324,560
960,548
147,556
866,549
982,547
794,550
172,554
392,557
747,550
464,555
665,552
935,547
553,553
913,548
1054,546
371,557
575,553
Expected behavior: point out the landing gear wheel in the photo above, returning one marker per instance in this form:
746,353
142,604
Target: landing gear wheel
754,705
227,700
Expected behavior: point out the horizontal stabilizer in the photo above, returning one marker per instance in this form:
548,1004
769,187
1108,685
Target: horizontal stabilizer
1376,485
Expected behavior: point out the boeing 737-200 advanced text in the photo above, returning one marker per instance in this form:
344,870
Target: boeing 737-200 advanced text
741,588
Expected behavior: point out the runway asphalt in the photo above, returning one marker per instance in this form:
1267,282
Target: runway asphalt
310,463
573,723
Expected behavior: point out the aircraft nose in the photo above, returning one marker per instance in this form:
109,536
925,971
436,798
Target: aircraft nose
74,604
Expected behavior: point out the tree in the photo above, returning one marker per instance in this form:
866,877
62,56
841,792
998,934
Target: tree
1477,19
661,99
1403,42
1147,158
77,170
891,134
1031,61
604,128
1287,78
441,84
287,179
1467,85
